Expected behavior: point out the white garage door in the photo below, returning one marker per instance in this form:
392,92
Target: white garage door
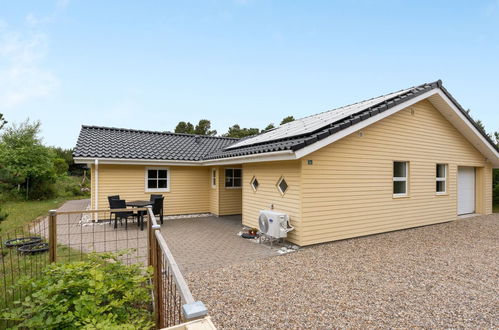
465,190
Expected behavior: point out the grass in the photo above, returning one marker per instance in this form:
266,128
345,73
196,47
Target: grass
495,208
24,212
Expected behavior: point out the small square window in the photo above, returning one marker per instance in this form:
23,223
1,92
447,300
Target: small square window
254,184
282,185
233,177
157,179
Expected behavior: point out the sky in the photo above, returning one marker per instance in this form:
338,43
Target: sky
150,64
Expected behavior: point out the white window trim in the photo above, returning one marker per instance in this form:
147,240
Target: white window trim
251,184
241,177
444,179
167,189
213,176
401,179
279,188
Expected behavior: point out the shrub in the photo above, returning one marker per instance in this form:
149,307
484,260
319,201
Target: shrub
99,293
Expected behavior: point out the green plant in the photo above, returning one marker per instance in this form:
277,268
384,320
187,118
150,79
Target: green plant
99,293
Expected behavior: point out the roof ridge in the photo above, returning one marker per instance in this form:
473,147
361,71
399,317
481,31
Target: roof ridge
155,132
437,83
366,100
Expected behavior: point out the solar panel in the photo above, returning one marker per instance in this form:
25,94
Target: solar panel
315,122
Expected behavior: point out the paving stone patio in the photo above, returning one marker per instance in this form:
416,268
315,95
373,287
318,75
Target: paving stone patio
210,243
197,244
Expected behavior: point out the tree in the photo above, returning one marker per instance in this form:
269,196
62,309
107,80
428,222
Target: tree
287,119
2,121
67,156
203,128
237,132
184,127
269,126
25,159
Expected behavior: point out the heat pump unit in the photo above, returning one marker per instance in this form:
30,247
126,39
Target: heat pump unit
274,224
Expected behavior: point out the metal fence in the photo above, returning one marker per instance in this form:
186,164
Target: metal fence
67,236
173,300
15,264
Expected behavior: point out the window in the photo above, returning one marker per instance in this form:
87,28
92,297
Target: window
400,171
233,178
213,177
157,179
441,177
254,183
282,185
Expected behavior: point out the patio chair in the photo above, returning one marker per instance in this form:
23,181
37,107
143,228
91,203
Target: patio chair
157,208
153,197
121,215
109,198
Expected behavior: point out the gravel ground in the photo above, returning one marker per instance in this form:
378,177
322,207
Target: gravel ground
440,276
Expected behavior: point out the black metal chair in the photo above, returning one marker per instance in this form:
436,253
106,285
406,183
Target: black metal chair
157,207
153,197
120,215
109,198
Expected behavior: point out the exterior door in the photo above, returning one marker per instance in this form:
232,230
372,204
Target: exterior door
465,190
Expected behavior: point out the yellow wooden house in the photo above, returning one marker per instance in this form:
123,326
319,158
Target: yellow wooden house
401,160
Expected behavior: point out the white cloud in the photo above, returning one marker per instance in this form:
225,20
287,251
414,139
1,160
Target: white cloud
22,77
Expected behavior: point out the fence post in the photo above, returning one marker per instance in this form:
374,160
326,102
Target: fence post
52,236
155,263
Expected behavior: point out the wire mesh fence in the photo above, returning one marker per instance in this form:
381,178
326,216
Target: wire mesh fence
81,232
70,236
23,252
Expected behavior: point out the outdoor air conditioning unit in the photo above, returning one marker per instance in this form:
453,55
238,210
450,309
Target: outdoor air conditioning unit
274,224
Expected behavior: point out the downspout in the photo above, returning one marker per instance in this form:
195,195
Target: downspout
96,197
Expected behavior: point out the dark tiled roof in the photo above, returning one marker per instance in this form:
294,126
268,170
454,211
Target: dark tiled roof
105,142
300,141
110,142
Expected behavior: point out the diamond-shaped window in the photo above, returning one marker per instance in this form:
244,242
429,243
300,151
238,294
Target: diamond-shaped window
282,185
254,183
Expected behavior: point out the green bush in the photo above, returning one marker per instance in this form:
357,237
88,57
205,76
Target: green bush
99,293
70,186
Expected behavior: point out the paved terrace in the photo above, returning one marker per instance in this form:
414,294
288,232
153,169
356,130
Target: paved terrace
202,243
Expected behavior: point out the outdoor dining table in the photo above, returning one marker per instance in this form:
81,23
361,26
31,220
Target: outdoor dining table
139,204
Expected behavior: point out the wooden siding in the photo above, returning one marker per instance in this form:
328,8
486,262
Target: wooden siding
267,193
347,192
189,187
230,199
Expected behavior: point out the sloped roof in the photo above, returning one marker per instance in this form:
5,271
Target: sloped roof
306,131
106,142
110,142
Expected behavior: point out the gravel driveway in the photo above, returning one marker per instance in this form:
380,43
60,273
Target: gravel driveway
437,276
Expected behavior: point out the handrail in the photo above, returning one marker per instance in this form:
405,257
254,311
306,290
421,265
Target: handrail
185,292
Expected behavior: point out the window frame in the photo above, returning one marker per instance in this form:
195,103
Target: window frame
213,178
233,177
251,184
400,179
168,182
279,187
444,179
